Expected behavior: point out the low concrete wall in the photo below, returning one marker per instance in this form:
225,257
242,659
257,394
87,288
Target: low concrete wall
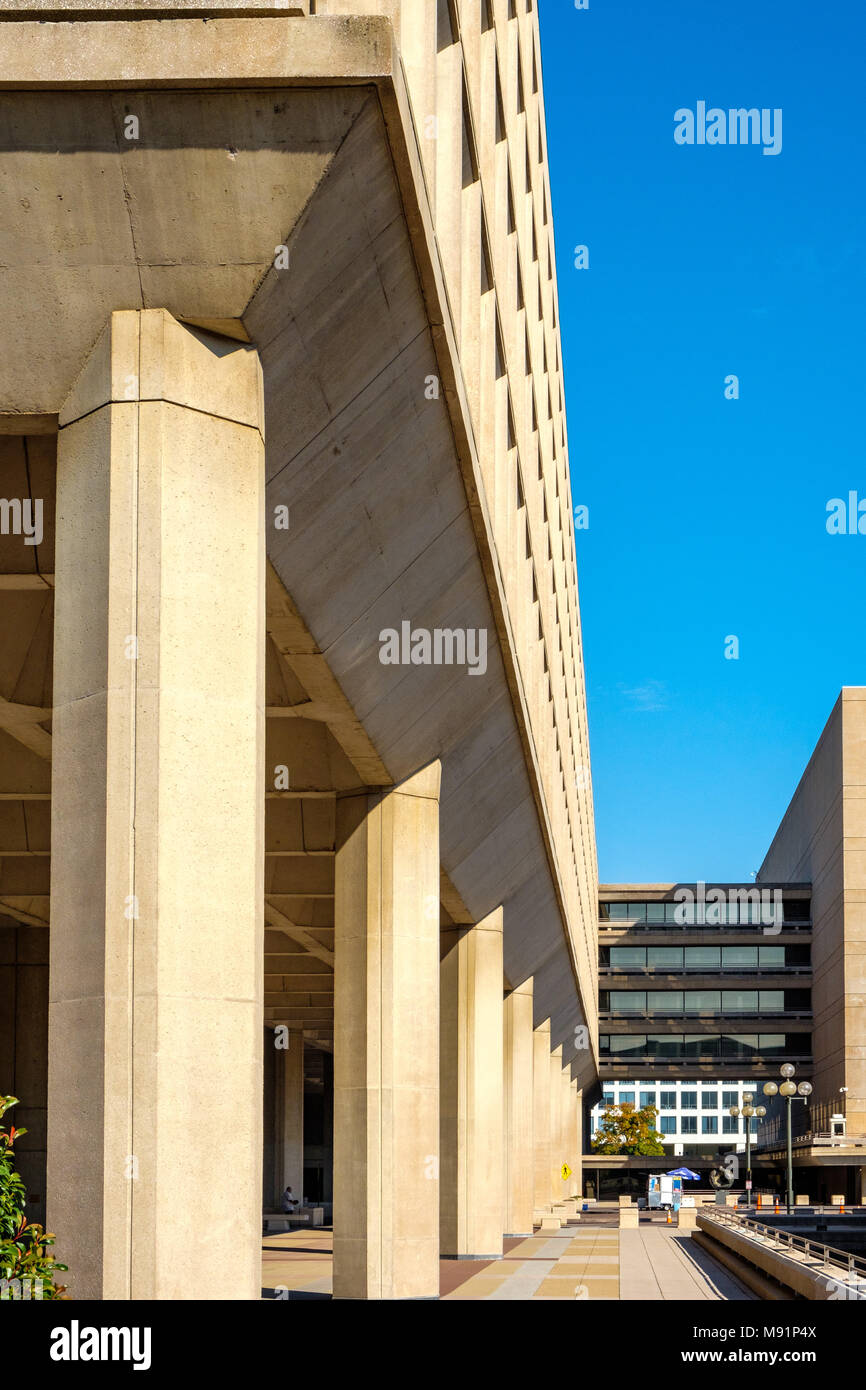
748,1274
792,1268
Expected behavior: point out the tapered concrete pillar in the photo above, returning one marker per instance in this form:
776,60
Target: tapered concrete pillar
290,1115
157,818
577,1144
564,1144
386,1042
471,1115
557,1186
328,1127
518,1046
541,1115
568,1133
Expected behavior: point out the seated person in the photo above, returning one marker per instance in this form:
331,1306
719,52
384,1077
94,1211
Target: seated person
290,1203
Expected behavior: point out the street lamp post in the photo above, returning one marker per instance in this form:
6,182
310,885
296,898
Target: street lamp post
789,1090
747,1111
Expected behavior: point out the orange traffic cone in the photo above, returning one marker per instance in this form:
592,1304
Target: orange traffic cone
841,1208
669,1221
776,1208
759,1201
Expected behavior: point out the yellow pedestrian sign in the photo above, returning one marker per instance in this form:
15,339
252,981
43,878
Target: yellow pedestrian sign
565,1171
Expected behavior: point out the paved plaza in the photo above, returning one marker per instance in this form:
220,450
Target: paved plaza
579,1262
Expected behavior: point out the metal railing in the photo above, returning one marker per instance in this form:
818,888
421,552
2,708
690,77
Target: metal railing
840,1140
667,928
827,1255
655,971
618,1015
810,1140
716,1056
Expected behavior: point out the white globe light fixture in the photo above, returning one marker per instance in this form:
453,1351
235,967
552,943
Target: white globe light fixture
790,1090
748,1111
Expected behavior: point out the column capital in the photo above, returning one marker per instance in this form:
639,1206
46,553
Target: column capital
492,922
147,355
526,988
425,783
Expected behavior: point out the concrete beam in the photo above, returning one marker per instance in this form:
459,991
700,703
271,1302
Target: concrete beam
280,922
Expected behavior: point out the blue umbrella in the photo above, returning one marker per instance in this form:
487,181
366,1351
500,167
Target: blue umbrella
684,1173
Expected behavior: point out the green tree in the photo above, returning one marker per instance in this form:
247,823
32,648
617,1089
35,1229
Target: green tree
625,1130
24,1245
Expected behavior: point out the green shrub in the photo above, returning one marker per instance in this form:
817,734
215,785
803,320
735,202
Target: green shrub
24,1245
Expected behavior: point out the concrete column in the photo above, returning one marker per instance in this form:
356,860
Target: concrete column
386,1042
158,817
567,1093
570,1132
290,1115
471,1116
557,1186
328,1128
541,1115
576,1180
518,1047
566,1132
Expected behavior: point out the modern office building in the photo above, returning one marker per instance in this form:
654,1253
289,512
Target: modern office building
695,1125
700,983
295,802
693,1117
703,980
822,838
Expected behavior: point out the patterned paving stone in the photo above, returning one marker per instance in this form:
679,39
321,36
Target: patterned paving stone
579,1264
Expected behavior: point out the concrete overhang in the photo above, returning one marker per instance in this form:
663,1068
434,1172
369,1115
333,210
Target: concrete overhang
150,9
662,1162
158,164
297,132
817,1155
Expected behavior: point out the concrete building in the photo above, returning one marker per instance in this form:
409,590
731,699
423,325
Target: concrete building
699,982
294,773
695,1125
693,1119
822,837
724,988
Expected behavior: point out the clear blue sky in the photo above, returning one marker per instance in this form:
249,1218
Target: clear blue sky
708,516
